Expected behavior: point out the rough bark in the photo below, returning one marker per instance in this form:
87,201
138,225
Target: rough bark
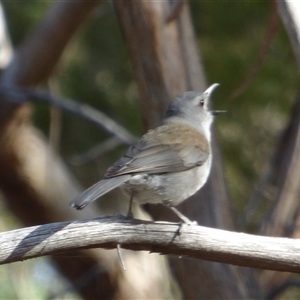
177,239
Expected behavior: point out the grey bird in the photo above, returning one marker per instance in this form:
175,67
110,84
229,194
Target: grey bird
169,163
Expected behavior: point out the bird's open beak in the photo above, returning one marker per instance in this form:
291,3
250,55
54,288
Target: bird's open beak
208,91
217,112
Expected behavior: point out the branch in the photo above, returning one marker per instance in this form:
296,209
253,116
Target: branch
271,31
37,56
281,254
166,63
96,151
22,95
289,12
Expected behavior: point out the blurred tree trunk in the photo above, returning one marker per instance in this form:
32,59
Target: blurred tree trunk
284,218
29,169
165,59
36,184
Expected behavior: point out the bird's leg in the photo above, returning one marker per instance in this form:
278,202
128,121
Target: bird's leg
183,217
129,213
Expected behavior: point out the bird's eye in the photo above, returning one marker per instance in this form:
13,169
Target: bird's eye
202,102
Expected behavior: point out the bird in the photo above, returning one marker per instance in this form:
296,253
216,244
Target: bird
169,163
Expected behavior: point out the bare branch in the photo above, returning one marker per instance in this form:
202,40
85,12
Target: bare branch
39,53
272,28
21,95
96,151
289,12
281,254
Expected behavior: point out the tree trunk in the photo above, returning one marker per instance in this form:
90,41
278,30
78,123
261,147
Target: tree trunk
284,217
36,184
164,56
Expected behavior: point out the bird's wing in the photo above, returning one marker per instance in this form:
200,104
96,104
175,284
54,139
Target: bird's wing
168,148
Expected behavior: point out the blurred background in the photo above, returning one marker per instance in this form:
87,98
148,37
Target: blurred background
243,45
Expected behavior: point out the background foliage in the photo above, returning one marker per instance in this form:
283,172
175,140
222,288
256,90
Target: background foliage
96,70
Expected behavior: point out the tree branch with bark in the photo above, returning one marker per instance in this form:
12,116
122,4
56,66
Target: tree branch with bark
273,253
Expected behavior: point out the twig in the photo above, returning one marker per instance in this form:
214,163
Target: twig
121,257
176,9
255,199
96,151
55,119
21,95
262,54
281,254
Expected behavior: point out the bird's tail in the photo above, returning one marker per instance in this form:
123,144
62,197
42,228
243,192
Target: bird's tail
97,190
